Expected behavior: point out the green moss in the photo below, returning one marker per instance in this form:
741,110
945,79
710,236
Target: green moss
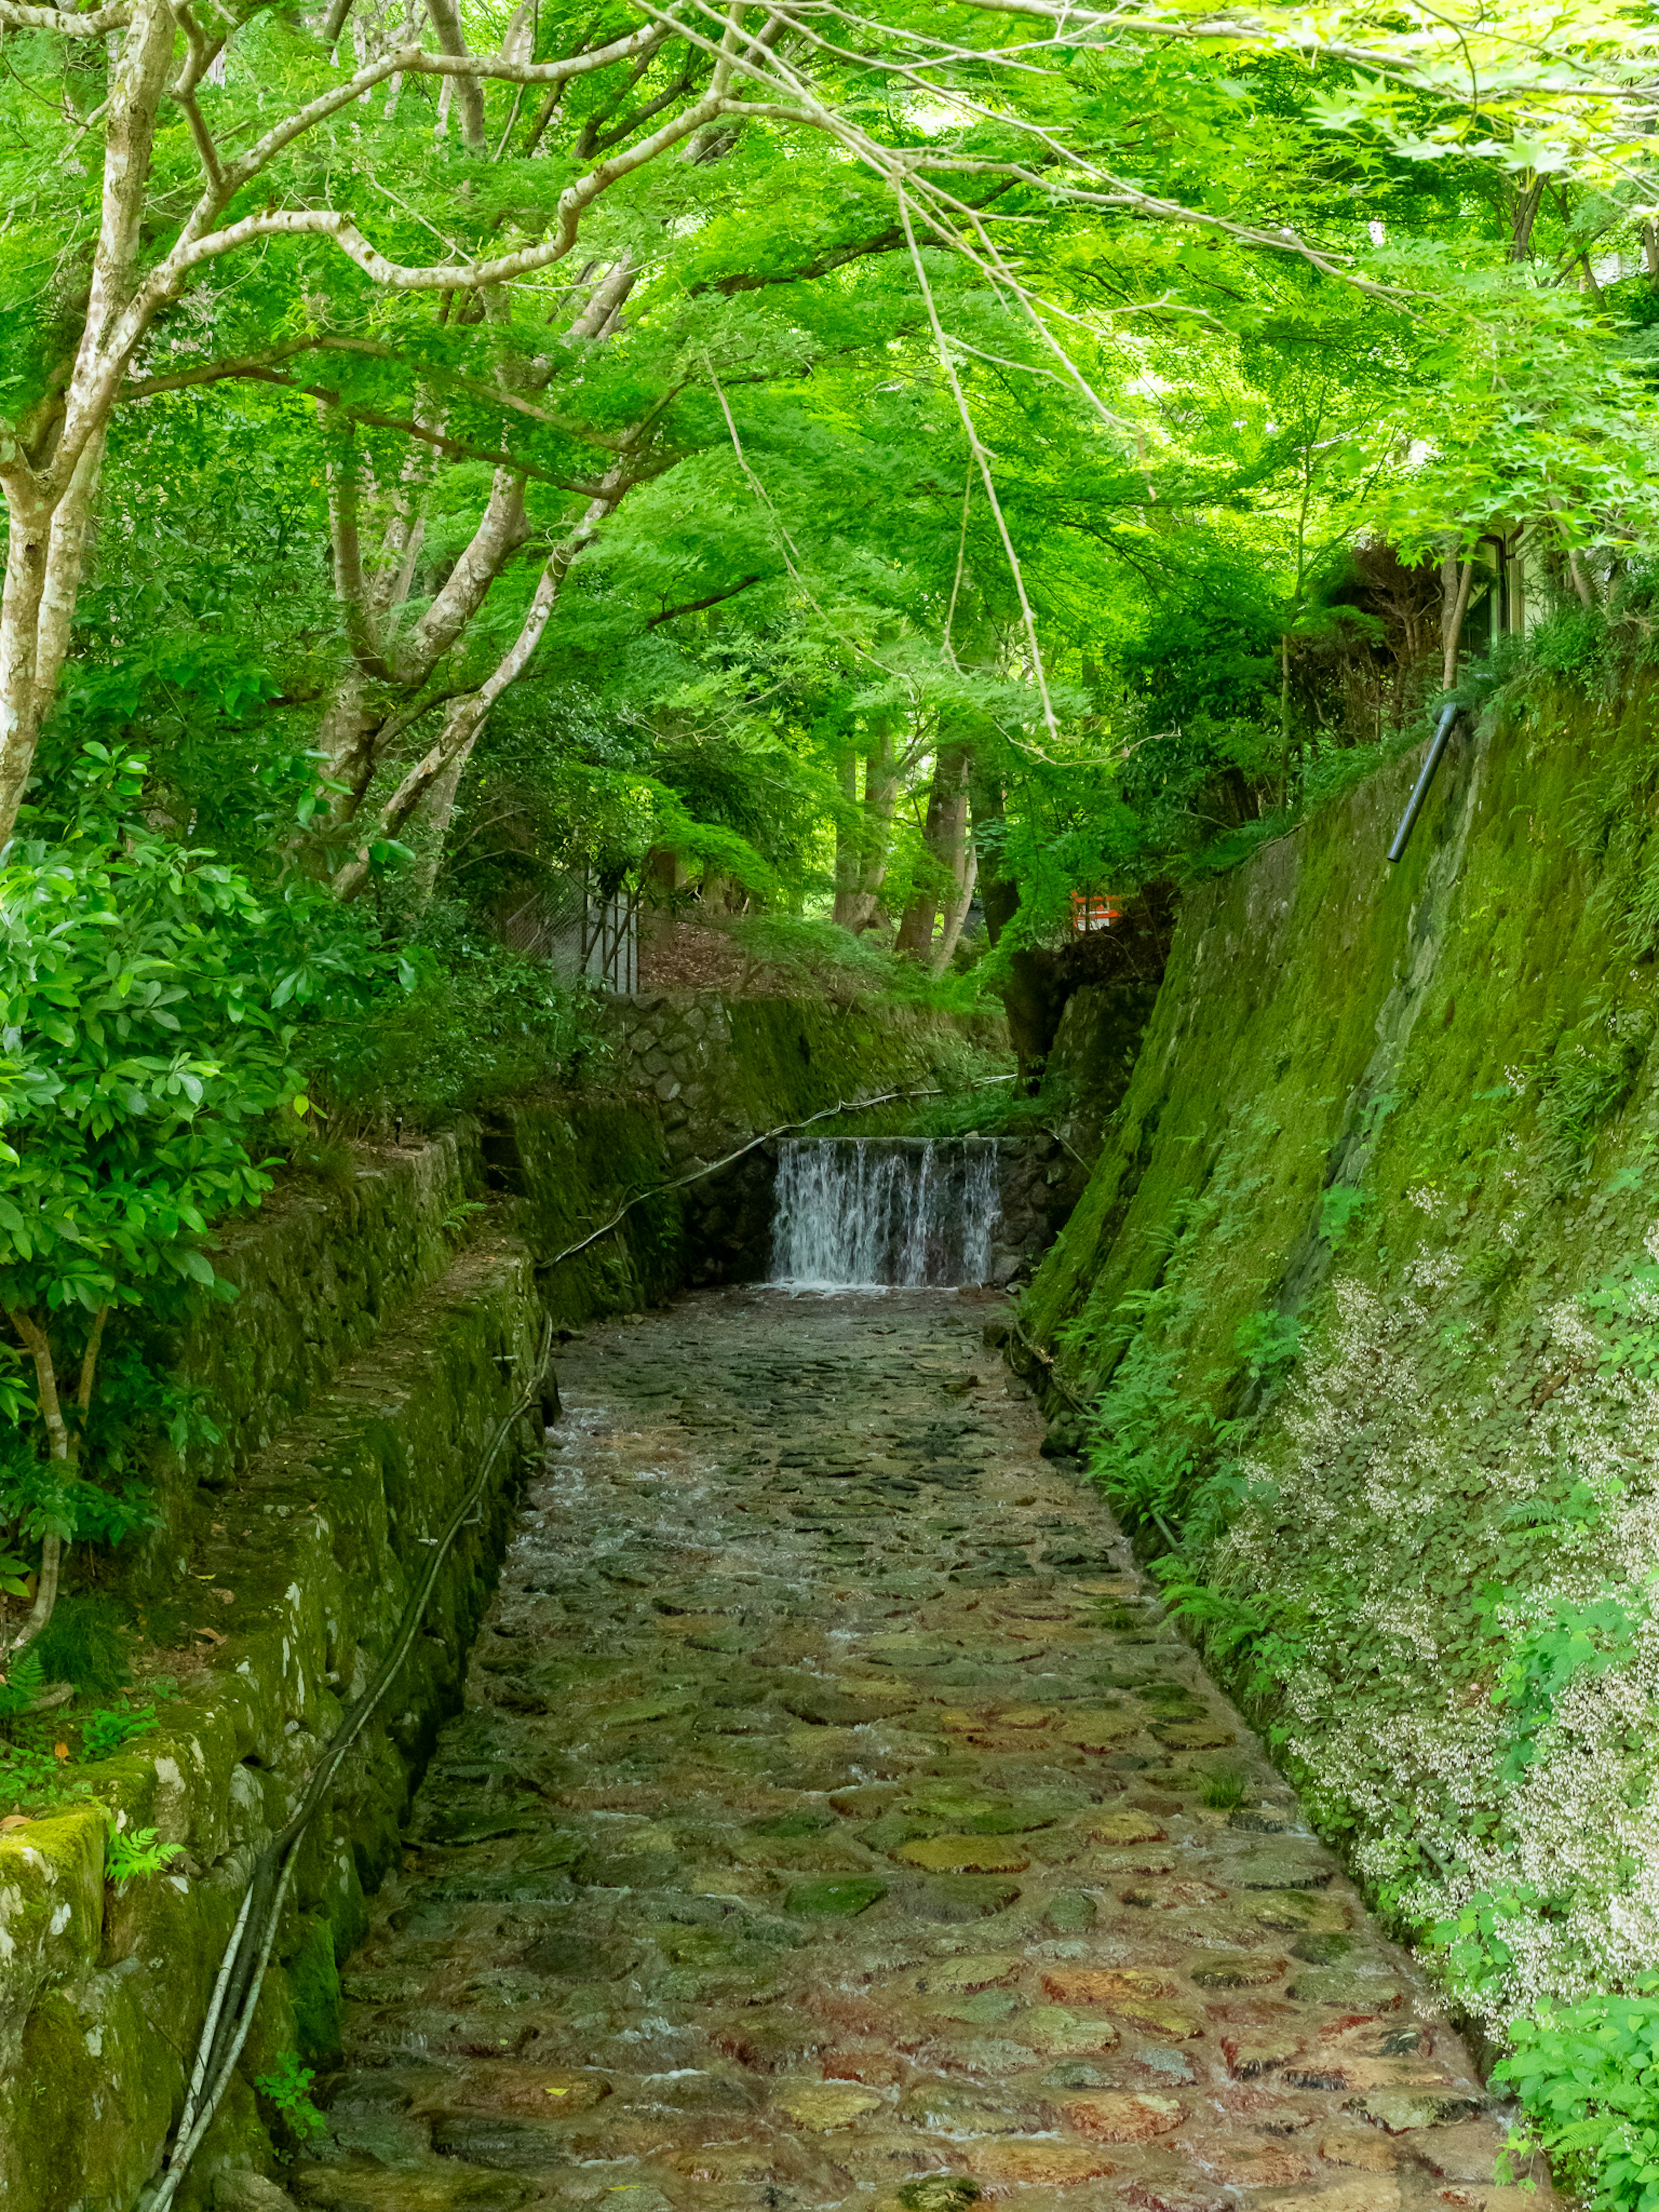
1361,1301
314,1983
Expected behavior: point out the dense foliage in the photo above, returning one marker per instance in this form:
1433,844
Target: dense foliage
850,487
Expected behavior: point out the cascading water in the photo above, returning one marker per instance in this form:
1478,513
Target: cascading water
859,1213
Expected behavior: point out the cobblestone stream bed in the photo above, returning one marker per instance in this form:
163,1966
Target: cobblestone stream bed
834,1821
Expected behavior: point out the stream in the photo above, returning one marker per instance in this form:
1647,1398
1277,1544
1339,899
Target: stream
835,1819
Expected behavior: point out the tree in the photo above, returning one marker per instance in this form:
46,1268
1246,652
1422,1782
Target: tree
143,1051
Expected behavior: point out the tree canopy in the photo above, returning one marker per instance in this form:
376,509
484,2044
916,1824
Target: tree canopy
882,476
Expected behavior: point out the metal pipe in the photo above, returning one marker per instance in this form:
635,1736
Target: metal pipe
1449,716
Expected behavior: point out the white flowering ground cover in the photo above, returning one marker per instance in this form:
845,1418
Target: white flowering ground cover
1419,1569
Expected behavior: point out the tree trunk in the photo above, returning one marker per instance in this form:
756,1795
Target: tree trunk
49,496
1528,201
955,909
62,1447
846,837
436,812
864,831
464,718
999,891
880,797
46,546
1456,579
1032,994
945,834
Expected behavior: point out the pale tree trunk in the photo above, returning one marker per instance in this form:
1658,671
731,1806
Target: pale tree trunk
465,717
355,730
63,1448
49,467
46,549
469,93
846,837
428,790
955,909
861,862
1583,583
49,491
1456,579
435,812
945,834
354,727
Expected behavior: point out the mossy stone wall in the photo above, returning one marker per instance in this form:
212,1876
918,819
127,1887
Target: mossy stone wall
1362,1295
382,1327
101,1988
723,1072
382,1324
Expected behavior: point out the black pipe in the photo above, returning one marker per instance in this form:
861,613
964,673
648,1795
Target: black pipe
1449,716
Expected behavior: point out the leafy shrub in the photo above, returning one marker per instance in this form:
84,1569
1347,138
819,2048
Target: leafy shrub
1570,1641
1631,1310
288,2086
105,1732
1341,1206
1587,2076
1573,642
141,1056
461,1021
815,955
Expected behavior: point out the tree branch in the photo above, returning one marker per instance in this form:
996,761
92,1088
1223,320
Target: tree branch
169,278
89,1360
256,364
468,714
252,370
207,152
114,17
696,606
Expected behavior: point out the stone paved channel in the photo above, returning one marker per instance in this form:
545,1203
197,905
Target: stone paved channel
834,1821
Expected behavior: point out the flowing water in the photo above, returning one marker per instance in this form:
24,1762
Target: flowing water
836,1819
861,1213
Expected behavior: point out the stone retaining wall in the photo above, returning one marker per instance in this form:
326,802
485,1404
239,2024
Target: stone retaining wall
379,1330
722,1071
355,1381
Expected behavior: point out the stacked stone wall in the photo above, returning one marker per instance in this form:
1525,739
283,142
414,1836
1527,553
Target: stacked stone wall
382,1329
381,1325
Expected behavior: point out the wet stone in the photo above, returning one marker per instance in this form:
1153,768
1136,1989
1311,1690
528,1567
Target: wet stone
1070,1914
825,1825
840,1898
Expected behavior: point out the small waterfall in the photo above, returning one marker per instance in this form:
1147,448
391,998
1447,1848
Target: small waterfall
861,1213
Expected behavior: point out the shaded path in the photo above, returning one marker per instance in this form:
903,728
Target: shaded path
829,1824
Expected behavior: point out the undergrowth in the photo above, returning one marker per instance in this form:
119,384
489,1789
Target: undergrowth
1587,2077
811,955
460,1022
44,1753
